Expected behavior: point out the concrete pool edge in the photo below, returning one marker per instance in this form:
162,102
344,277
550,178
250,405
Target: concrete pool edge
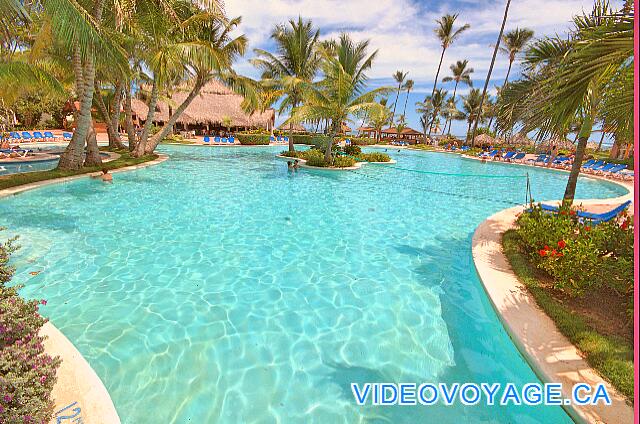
549,353
32,186
76,379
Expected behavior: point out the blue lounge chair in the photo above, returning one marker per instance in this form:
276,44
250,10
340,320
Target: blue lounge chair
519,156
588,163
207,139
540,158
49,135
508,155
67,136
605,168
37,135
223,140
26,136
596,164
617,168
599,167
15,136
216,139
232,140
595,218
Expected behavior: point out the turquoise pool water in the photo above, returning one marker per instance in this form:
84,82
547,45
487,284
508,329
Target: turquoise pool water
218,287
17,168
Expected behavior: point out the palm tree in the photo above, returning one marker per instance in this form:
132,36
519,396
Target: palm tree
295,62
493,61
447,36
460,73
408,86
378,118
432,106
471,107
399,77
513,42
586,77
342,91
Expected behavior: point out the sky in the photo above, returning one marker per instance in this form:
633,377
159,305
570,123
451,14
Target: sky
403,33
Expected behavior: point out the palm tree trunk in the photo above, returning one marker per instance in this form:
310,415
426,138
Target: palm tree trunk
116,105
93,152
583,138
453,100
506,80
112,133
291,147
153,101
406,99
164,131
486,82
128,116
435,82
468,130
601,140
393,114
72,158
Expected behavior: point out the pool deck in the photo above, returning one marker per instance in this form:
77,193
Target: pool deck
551,355
76,380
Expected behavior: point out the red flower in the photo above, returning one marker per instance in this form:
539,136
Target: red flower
546,247
562,244
625,224
572,212
560,254
43,302
554,252
587,228
542,252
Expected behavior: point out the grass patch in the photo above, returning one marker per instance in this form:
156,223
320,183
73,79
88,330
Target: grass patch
124,160
611,356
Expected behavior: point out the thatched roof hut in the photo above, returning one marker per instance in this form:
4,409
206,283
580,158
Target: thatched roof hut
208,110
296,128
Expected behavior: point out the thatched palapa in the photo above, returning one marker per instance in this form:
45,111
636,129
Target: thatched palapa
208,111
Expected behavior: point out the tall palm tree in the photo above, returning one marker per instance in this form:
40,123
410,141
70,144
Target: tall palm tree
460,73
408,86
399,77
493,61
342,91
378,118
296,61
472,107
513,42
585,77
447,35
433,106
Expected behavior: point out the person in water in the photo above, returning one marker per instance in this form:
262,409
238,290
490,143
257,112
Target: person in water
105,176
296,164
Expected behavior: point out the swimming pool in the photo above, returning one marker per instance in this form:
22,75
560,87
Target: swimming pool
220,287
27,166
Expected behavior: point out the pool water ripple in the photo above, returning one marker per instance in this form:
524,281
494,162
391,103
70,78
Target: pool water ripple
220,287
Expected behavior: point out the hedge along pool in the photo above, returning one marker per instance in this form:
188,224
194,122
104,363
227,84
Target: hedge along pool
221,287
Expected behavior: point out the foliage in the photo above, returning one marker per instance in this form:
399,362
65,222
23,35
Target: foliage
343,162
314,157
27,373
352,150
610,355
253,139
363,141
30,106
374,157
579,255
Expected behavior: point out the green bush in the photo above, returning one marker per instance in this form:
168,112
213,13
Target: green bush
253,139
343,162
27,373
363,141
314,157
374,157
577,254
352,150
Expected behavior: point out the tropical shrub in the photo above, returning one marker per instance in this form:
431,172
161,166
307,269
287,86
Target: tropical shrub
314,157
579,255
253,139
352,150
374,157
27,373
363,141
343,162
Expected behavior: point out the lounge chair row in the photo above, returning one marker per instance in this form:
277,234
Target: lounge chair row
594,218
219,140
26,136
399,143
600,167
278,139
455,148
510,156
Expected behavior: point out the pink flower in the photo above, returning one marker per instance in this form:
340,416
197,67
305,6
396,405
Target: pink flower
43,302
